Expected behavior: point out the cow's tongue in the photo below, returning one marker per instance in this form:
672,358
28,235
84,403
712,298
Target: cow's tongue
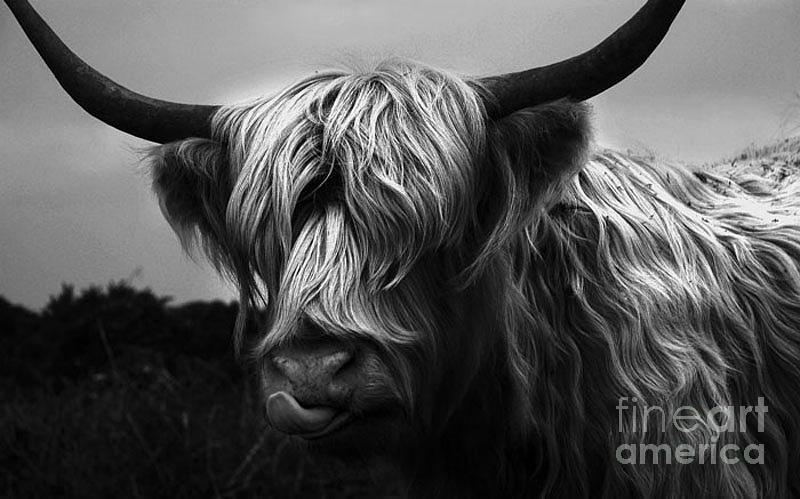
288,416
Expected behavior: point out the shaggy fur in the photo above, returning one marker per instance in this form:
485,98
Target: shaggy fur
516,285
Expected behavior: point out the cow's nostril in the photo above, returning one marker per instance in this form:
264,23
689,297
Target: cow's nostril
339,360
286,365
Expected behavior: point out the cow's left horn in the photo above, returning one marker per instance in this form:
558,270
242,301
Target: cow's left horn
136,114
587,74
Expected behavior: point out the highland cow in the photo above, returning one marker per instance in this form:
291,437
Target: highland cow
454,280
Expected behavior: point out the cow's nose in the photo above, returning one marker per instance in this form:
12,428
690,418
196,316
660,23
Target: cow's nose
313,373
308,387
318,364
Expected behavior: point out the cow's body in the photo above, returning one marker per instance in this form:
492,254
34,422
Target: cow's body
680,288
544,282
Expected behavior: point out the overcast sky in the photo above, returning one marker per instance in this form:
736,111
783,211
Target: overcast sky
75,206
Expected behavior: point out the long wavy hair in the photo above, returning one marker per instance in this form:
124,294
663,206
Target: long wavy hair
518,282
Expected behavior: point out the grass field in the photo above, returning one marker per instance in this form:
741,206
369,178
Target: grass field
113,393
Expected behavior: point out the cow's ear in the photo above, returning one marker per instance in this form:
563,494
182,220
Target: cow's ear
193,186
536,150
531,154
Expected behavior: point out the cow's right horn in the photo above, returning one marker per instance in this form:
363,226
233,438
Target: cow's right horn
136,114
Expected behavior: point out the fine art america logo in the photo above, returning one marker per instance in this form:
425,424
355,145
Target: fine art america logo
720,423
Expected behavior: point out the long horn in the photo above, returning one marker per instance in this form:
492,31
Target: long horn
136,114
587,74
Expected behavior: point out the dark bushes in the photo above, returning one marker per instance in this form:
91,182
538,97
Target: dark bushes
114,392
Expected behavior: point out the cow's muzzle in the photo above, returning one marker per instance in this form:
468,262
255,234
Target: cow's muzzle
309,387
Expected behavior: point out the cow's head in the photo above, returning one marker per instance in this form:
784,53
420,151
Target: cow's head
372,215
369,215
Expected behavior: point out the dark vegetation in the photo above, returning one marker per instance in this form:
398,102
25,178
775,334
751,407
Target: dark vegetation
113,392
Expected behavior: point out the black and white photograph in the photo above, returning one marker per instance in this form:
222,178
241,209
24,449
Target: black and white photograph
400,249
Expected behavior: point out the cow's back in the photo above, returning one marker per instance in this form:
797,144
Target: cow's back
683,283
